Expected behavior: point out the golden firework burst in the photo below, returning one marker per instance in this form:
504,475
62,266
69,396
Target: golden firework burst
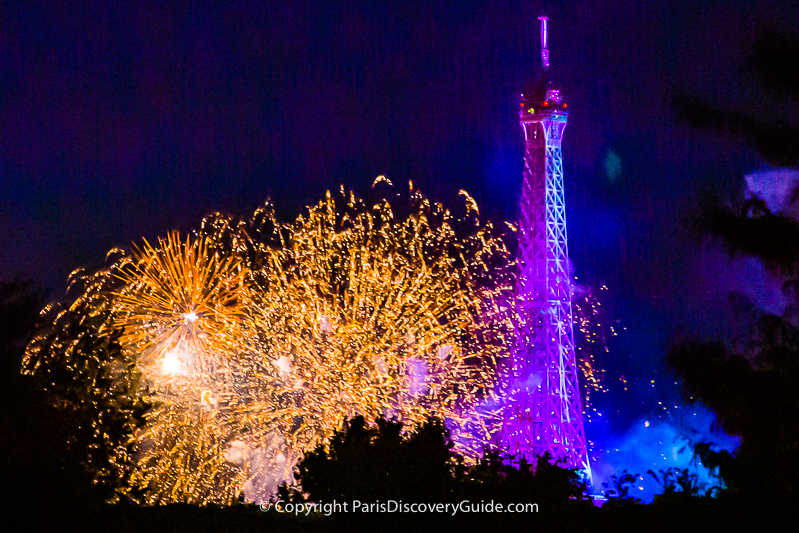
255,340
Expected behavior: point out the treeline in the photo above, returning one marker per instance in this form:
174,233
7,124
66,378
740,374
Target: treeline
46,483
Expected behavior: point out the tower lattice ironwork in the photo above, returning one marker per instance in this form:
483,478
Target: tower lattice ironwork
544,411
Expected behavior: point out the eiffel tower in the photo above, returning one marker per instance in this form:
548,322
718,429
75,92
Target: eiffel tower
544,411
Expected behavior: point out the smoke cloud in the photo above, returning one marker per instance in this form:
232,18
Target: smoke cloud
658,445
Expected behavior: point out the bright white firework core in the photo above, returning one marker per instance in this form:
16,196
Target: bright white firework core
171,364
191,316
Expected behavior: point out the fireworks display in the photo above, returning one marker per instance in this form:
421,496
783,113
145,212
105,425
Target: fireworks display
594,330
226,354
252,341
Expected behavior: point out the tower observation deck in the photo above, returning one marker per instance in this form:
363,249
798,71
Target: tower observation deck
544,411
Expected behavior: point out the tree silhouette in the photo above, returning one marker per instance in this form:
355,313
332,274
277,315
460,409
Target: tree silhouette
377,463
94,390
751,385
680,483
773,62
618,490
36,463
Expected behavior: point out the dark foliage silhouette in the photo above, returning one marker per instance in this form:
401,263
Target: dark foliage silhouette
750,383
378,464
773,62
679,483
618,490
370,464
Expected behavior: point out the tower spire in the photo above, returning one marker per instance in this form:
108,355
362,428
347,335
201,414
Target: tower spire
544,49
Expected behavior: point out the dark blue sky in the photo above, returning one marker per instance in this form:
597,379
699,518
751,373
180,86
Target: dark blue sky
127,119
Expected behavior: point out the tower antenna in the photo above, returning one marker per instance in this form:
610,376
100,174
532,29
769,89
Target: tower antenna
544,49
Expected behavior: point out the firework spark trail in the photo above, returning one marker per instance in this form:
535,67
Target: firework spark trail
181,310
254,340
356,306
595,329
179,286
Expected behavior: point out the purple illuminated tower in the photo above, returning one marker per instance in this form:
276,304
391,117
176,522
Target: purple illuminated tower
544,411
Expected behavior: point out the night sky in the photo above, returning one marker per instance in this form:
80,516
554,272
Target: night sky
125,121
